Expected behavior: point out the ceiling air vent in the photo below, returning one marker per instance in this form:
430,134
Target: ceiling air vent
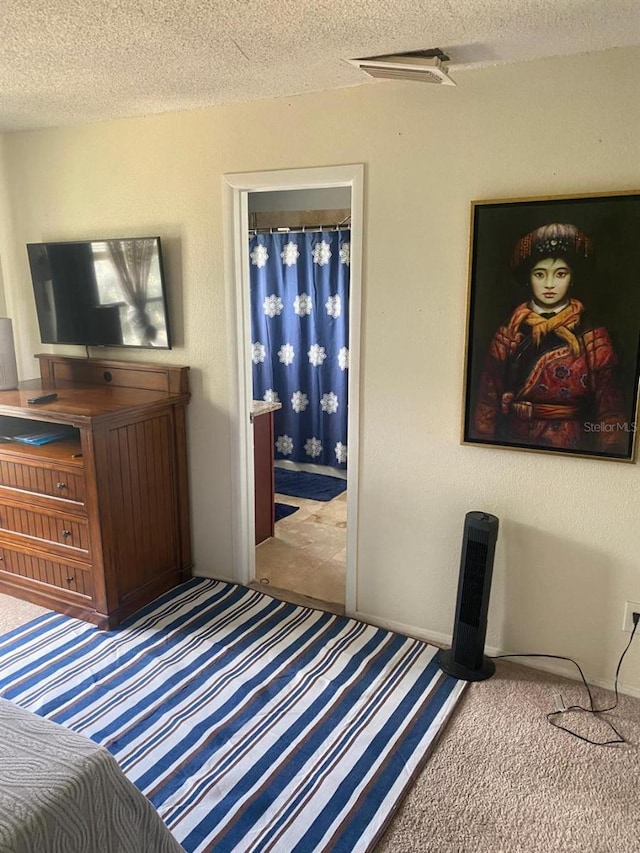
424,66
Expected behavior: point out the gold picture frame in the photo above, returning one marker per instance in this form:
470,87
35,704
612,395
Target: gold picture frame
553,325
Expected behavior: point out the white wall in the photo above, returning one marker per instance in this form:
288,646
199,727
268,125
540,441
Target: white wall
569,543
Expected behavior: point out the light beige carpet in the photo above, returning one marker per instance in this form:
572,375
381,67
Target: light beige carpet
14,612
502,779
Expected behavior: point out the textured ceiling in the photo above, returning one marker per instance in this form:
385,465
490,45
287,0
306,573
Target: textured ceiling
66,62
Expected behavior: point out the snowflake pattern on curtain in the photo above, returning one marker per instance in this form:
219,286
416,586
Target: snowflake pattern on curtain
300,346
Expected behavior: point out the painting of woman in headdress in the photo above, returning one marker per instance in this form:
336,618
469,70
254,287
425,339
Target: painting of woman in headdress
551,376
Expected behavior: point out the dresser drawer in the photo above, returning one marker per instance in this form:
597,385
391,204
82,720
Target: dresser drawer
41,480
68,531
14,565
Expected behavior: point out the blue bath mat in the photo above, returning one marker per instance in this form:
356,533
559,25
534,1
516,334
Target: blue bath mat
283,510
314,487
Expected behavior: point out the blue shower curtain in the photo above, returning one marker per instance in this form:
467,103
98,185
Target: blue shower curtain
299,340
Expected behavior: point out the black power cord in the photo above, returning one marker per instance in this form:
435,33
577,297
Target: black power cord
554,715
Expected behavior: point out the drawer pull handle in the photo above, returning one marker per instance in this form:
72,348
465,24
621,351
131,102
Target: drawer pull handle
61,486
66,533
70,579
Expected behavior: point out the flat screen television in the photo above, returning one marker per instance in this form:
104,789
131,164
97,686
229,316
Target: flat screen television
102,293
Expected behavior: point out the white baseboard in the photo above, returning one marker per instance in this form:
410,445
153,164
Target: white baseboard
391,625
565,669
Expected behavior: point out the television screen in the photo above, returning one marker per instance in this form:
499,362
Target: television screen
107,293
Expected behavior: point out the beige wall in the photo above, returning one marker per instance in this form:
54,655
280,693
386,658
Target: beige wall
568,553
6,232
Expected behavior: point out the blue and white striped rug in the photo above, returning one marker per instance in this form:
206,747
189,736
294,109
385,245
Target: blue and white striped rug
251,724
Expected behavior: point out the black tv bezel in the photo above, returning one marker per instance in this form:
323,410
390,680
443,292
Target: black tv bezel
89,242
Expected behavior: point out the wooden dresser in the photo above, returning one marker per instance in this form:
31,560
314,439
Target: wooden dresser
95,525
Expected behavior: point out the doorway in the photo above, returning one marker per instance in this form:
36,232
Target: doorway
239,190
299,248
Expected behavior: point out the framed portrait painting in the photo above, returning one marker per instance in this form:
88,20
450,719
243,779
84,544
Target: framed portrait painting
553,325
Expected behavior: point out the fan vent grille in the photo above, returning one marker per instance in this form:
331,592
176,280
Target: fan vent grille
403,74
420,68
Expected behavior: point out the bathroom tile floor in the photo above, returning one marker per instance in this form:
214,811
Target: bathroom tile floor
305,562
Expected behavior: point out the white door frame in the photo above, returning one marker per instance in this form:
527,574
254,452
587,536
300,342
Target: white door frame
236,188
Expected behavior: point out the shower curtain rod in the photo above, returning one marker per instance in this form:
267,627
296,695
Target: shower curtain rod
301,229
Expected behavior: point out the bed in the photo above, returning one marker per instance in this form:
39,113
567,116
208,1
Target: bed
59,791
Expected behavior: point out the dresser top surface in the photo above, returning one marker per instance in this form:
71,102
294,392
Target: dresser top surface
78,402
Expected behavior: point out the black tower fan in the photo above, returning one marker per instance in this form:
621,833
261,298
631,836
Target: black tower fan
465,659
